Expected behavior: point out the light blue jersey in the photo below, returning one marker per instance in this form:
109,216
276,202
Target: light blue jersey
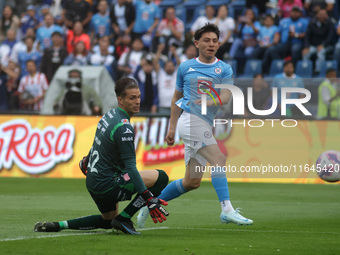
23,57
194,78
145,16
44,35
298,26
282,81
101,25
248,31
266,35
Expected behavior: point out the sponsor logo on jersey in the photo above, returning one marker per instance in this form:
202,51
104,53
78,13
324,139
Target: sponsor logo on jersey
191,69
128,131
127,139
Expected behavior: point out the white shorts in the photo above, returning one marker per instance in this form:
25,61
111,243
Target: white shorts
195,133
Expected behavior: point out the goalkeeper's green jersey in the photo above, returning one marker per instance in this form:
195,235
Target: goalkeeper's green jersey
113,148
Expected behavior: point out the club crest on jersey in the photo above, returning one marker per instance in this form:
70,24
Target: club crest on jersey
203,86
207,134
218,70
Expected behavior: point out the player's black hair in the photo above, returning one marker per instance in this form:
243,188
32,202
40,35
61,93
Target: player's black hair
123,84
208,27
288,62
329,70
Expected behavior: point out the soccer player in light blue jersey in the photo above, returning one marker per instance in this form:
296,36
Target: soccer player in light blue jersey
196,77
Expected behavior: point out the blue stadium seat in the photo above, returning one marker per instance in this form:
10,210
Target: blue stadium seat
253,66
327,65
304,68
192,10
276,67
239,6
218,3
233,64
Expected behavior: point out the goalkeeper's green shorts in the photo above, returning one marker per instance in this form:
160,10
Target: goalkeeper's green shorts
122,190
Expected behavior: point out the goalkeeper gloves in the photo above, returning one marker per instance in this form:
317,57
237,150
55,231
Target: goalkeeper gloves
83,165
154,204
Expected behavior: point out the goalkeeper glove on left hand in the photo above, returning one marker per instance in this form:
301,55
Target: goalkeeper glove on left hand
83,165
154,204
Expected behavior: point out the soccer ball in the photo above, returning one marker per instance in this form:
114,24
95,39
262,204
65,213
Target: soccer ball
328,166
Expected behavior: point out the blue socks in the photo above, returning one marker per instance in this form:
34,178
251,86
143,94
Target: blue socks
220,183
173,190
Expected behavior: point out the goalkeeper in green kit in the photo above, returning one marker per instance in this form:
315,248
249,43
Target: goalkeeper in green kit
111,173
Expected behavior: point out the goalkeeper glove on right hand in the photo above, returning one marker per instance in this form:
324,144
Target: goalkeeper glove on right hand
154,204
83,165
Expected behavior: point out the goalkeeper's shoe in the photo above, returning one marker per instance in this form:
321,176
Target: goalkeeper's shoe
142,216
124,226
235,217
46,227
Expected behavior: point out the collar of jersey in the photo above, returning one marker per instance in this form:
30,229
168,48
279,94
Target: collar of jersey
124,112
199,61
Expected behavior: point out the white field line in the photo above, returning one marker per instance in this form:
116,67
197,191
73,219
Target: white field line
165,228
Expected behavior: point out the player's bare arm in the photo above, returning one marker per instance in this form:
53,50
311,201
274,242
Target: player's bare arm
175,112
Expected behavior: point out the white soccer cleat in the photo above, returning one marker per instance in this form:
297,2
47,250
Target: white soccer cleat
235,217
142,216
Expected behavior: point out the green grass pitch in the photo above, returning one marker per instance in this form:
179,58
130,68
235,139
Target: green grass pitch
288,219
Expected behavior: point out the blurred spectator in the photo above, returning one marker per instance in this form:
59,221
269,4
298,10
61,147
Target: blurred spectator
285,7
265,38
8,21
329,96
12,72
21,46
77,98
166,80
56,8
29,20
288,79
247,31
313,6
146,78
29,54
260,4
53,56
79,55
147,18
288,40
100,22
103,57
337,46
129,61
77,11
4,104
122,45
260,95
319,38
6,47
32,88
170,30
44,33
227,26
76,35
189,53
122,15
44,10
202,20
